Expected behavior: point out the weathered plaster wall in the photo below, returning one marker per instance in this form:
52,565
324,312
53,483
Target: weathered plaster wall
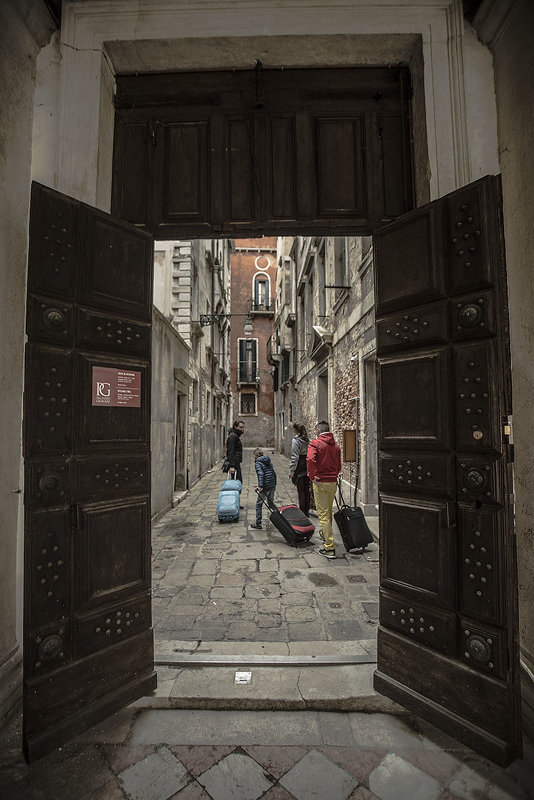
511,43
24,28
169,353
45,113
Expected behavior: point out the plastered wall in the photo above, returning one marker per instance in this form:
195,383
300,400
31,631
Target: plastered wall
514,62
23,30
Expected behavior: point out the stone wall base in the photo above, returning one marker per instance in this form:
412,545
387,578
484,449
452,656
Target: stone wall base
10,684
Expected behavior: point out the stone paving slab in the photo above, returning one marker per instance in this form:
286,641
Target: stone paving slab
228,582
231,755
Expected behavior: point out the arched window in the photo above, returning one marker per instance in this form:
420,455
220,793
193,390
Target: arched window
261,292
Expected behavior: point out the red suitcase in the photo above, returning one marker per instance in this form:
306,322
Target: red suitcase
289,521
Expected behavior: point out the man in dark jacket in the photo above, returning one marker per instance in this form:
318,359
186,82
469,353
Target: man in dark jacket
266,482
324,465
234,449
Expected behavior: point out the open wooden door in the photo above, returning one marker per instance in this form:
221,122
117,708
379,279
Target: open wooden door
88,645
447,642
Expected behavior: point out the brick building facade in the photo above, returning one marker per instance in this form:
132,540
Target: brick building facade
253,268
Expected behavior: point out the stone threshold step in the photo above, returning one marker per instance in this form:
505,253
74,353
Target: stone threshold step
262,660
364,648
344,687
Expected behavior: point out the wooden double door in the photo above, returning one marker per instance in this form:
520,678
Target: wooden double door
88,646
447,642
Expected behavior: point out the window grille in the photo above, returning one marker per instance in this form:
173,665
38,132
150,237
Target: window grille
248,403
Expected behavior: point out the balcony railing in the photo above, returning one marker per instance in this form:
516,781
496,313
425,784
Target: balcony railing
247,374
267,307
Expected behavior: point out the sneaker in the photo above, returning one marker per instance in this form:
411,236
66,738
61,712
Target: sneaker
327,553
256,525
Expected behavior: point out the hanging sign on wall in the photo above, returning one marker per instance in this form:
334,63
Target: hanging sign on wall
116,387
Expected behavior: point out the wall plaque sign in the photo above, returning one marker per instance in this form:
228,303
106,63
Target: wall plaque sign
116,387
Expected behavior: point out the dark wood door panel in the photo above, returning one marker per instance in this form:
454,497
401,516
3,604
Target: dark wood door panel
122,334
430,474
478,421
483,563
54,251
263,150
113,427
473,316
112,552
480,480
130,191
411,414
104,627
116,277
422,326
339,141
281,170
411,255
48,408
87,494
418,556
79,695
472,234
426,624
103,477
50,321
182,164
394,135
442,689
47,482
241,171
48,563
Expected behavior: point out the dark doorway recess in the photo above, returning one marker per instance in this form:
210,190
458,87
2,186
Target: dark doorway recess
267,151
263,151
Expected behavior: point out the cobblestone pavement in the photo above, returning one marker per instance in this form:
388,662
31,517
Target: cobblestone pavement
215,582
221,582
232,755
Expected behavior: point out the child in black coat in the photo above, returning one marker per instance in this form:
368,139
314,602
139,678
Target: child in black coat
266,482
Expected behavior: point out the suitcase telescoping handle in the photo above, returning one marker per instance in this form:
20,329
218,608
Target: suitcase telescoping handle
265,500
343,504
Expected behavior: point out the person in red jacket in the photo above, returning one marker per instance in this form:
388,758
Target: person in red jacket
323,462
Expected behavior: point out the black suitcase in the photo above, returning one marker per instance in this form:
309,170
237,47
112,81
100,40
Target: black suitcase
352,525
294,526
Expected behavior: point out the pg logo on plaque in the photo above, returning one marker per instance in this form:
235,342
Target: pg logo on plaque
116,387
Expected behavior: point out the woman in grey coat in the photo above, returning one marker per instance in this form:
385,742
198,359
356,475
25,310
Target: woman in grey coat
297,468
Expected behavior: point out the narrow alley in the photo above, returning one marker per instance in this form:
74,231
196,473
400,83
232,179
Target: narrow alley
228,590
228,582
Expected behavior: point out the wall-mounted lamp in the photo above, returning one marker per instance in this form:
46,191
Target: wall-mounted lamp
209,319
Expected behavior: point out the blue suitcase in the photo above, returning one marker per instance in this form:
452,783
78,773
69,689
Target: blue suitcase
228,501
231,485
